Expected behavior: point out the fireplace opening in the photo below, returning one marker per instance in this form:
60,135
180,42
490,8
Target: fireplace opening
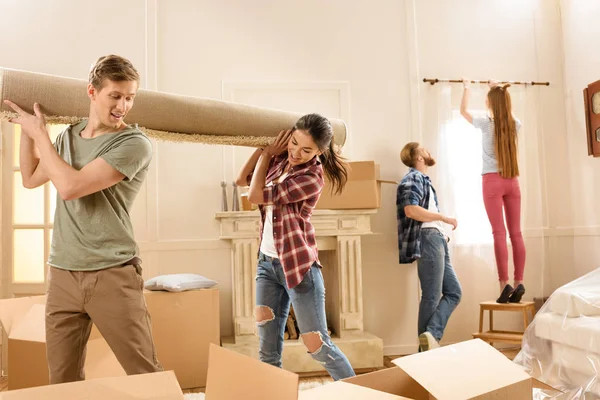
292,331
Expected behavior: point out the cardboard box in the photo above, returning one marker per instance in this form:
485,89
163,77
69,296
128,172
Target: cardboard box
467,370
183,326
8,316
233,376
157,386
363,189
346,391
255,380
23,321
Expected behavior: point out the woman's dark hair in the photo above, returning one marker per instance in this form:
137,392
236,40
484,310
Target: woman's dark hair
335,166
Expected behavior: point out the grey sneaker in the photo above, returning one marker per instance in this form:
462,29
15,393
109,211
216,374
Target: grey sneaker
427,342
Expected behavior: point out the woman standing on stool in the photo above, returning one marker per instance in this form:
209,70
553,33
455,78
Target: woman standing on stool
501,191
286,181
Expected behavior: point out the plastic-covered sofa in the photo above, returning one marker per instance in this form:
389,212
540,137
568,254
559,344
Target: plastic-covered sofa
561,347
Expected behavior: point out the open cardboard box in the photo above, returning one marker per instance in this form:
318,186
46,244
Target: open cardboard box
23,323
157,386
183,326
362,191
467,370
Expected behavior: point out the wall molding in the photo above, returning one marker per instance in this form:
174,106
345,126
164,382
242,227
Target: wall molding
377,237
184,245
575,231
229,88
414,83
152,181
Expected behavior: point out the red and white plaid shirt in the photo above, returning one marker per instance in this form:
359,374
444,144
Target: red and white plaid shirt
293,201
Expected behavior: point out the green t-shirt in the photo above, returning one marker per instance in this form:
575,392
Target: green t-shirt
95,231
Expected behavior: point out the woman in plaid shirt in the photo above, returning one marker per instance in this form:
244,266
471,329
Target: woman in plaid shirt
286,181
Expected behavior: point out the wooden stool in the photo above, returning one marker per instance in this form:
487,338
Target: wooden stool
492,335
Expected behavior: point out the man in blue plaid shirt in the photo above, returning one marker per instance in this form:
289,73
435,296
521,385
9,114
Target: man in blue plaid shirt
421,238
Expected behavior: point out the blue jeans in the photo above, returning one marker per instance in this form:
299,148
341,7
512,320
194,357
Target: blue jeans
441,291
308,299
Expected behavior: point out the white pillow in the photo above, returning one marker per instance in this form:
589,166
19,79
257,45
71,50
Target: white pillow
179,282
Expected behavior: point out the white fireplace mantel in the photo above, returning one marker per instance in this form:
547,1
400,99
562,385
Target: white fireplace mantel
338,235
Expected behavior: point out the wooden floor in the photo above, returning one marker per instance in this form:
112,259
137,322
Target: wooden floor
311,380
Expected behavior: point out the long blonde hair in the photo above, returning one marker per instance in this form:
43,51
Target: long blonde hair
505,131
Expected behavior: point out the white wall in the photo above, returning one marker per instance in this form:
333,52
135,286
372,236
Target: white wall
201,44
370,50
503,40
193,48
575,248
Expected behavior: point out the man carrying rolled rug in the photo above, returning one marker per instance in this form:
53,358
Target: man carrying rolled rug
97,166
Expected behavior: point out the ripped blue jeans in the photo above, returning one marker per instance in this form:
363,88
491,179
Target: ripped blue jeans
308,299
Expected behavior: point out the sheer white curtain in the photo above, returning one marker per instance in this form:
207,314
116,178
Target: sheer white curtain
456,145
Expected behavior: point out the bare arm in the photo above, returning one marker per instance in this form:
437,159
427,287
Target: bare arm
259,178
420,214
32,172
464,102
242,179
70,183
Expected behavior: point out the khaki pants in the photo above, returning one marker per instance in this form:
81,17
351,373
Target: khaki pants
113,300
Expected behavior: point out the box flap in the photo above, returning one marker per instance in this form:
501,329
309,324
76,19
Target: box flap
544,387
11,310
157,386
233,376
28,364
386,181
100,361
32,327
346,391
391,380
463,370
95,333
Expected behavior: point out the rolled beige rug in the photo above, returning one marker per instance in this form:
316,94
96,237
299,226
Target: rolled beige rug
163,116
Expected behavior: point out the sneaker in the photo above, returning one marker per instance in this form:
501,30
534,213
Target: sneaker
505,295
516,296
427,342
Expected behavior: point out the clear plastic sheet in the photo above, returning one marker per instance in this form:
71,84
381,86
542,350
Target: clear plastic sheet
561,347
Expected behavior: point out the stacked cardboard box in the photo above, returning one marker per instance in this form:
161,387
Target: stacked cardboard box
362,191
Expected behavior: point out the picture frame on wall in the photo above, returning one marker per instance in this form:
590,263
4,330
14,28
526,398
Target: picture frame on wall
591,99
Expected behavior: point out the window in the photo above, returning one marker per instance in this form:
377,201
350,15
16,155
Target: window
32,220
463,152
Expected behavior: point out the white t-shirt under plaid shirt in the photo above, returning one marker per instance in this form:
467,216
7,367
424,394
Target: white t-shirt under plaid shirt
267,244
293,201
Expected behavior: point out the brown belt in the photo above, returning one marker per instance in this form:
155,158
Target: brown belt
134,261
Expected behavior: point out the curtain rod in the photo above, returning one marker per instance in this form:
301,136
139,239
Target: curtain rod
434,81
